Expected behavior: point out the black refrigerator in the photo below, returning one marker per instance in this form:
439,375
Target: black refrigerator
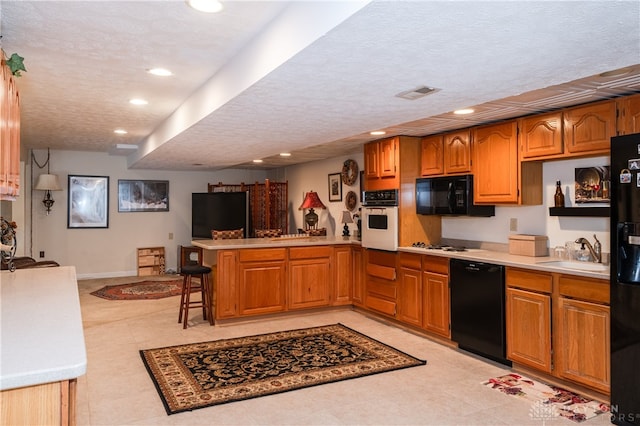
625,279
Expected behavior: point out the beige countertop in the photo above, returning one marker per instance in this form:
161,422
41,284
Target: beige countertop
542,263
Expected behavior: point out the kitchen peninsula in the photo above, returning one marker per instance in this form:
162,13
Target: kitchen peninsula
43,350
257,276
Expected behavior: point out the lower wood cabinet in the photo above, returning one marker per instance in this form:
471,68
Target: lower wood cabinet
381,281
410,287
559,325
528,318
262,281
46,404
436,313
357,287
309,277
582,331
343,275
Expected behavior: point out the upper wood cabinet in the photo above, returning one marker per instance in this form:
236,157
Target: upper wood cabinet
381,160
457,152
628,115
588,129
432,155
499,176
9,134
540,135
446,154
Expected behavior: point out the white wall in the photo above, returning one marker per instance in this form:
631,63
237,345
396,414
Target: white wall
112,251
314,176
536,219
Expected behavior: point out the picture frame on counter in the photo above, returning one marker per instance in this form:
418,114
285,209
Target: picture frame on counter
335,187
88,205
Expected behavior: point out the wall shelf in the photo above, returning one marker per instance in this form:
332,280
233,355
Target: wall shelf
580,211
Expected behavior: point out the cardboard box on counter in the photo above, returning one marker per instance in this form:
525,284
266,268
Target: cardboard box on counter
528,245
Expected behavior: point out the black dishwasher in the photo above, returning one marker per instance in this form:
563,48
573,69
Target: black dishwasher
477,308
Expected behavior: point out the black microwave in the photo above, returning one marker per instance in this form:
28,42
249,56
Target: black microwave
449,195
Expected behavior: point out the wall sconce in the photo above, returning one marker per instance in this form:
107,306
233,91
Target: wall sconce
47,182
346,218
311,201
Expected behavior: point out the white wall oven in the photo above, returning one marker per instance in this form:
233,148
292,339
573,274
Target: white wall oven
380,219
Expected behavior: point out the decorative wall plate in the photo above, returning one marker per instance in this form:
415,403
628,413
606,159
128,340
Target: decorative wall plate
350,201
349,172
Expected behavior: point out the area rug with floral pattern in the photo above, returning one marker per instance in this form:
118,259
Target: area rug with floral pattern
199,375
548,401
141,290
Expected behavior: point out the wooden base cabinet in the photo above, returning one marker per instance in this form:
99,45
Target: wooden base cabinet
262,281
343,275
381,281
309,276
583,332
410,298
357,288
528,318
46,404
435,291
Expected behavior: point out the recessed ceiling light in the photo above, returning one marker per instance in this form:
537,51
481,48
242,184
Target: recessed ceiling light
616,73
136,101
162,72
464,111
207,6
120,131
377,133
257,161
285,154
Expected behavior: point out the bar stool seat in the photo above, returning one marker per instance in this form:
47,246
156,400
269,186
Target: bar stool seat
203,272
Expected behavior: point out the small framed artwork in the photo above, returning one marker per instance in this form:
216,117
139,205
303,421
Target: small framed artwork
88,202
335,187
143,195
592,184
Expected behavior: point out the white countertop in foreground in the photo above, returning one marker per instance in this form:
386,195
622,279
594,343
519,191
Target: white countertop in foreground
41,338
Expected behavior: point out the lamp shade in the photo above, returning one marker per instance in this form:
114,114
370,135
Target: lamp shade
346,217
312,201
47,182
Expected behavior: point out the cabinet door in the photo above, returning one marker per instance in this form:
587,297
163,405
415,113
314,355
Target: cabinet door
309,282
528,321
343,275
225,295
496,164
388,157
583,351
541,135
358,282
431,156
372,160
457,152
628,115
262,287
410,296
436,303
588,129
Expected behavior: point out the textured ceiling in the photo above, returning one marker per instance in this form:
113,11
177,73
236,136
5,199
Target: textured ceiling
311,78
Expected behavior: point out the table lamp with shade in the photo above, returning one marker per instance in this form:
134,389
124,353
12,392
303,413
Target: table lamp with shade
311,201
346,219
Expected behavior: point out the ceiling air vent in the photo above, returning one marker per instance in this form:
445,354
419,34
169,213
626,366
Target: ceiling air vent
416,93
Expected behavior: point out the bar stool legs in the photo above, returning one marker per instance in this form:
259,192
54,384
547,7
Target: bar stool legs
205,293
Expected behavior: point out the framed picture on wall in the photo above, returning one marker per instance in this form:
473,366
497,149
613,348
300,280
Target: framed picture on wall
88,202
335,187
143,195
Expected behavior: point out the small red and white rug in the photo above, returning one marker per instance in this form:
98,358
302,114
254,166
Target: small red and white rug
140,290
548,401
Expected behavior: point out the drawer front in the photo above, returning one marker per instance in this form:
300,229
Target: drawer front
312,252
381,288
146,260
251,255
437,264
591,289
535,281
410,260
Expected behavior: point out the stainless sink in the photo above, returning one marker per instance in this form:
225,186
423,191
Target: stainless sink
578,266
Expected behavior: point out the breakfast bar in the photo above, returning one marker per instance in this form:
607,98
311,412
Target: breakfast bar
43,349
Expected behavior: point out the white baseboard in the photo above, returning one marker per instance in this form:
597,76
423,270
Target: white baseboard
133,273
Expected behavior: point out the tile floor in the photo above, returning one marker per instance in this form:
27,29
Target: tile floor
447,391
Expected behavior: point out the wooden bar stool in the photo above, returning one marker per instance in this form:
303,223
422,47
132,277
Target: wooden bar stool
203,272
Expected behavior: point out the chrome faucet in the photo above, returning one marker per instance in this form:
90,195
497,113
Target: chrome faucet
595,250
